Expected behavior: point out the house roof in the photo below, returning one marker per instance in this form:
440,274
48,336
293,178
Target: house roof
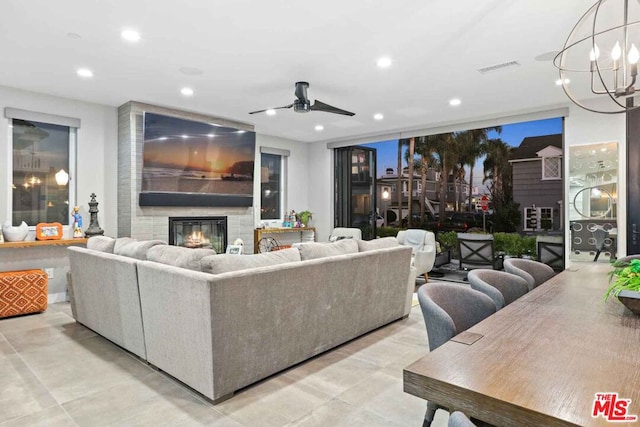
241,56
530,146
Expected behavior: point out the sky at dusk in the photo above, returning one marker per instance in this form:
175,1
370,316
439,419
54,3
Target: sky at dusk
513,134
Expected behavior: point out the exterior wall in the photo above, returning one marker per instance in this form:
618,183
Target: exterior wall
530,189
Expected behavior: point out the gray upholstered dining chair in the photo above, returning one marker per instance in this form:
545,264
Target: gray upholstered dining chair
448,310
502,287
534,272
458,419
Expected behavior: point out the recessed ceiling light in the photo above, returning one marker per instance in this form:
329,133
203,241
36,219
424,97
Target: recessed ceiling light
384,62
186,91
130,35
455,102
559,82
378,116
319,128
85,72
270,112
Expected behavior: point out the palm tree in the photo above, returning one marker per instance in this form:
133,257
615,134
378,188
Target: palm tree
446,151
412,144
496,163
424,147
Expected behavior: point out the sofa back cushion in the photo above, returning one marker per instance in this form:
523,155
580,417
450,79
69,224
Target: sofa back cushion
313,250
101,243
382,243
225,263
133,248
178,256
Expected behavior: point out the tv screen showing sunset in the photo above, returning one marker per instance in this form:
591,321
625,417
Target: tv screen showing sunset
184,156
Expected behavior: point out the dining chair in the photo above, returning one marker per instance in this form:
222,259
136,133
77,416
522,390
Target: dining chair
478,251
534,272
458,419
448,310
502,287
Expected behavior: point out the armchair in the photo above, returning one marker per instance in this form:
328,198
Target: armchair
423,245
477,251
340,233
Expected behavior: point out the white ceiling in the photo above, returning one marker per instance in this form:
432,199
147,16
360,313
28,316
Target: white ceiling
252,52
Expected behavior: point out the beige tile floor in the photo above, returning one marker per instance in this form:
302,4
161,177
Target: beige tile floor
56,372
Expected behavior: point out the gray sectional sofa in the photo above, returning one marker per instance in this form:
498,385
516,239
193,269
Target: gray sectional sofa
221,322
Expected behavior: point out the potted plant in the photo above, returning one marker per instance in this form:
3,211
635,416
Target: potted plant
304,217
625,278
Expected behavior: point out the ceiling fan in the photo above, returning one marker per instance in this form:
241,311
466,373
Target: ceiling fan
303,105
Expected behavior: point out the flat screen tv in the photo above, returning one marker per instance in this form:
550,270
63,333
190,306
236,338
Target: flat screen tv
189,163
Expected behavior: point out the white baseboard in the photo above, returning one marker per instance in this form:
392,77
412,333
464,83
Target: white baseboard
59,297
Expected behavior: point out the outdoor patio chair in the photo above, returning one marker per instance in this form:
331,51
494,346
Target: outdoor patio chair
534,272
551,251
502,287
340,233
423,245
448,310
477,251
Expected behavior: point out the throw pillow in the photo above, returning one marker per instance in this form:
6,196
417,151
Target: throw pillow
313,250
178,256
382,243
224,263
101,243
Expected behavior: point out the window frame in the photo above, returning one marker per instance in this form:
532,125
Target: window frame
558,159
282,186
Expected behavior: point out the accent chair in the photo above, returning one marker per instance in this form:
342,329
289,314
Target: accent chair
423,245
502,287
534,272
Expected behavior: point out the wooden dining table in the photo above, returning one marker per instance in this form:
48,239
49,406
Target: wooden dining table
541,360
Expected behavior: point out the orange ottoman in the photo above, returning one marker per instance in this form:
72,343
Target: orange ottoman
22,292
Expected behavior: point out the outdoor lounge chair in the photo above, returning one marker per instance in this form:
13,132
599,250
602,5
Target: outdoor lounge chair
551,251
477,251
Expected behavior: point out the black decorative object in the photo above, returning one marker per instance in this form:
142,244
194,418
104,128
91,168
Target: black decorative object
94,228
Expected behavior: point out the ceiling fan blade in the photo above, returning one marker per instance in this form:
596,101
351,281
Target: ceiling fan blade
301,91
321,106
267,109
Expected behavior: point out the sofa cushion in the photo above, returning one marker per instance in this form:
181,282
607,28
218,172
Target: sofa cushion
133,248
178,256
313,250
224,263
384,242
101,243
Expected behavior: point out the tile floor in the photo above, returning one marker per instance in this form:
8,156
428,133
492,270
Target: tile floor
56,372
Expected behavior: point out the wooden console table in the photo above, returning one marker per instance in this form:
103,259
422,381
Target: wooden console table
40,243
288,235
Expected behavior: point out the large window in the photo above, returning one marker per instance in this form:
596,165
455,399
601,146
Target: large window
271,188
538,218
43,155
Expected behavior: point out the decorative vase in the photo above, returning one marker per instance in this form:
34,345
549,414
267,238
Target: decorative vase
631,300
15,234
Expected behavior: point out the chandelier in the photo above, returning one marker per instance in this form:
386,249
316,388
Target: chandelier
600,58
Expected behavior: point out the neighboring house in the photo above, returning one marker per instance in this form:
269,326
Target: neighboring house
537,182
389,182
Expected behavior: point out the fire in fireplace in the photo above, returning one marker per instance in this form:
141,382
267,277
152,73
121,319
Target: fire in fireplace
199,232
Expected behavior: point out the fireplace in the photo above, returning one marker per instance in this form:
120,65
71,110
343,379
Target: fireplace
199,232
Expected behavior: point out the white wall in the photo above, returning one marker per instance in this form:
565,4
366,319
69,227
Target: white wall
321,189
584,127
97,143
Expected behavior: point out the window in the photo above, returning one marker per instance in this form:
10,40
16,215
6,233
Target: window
273,164
43,158
551,168
538,219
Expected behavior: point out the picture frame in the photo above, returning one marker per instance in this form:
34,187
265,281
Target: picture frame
235,249
49,231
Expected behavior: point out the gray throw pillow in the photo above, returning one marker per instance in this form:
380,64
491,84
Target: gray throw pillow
136,249
224,263
384,242
101,243
178,256
313,250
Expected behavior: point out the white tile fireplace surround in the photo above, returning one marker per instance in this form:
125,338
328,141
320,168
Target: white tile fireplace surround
152,222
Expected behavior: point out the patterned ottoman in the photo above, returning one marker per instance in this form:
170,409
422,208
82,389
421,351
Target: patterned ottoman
22,292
